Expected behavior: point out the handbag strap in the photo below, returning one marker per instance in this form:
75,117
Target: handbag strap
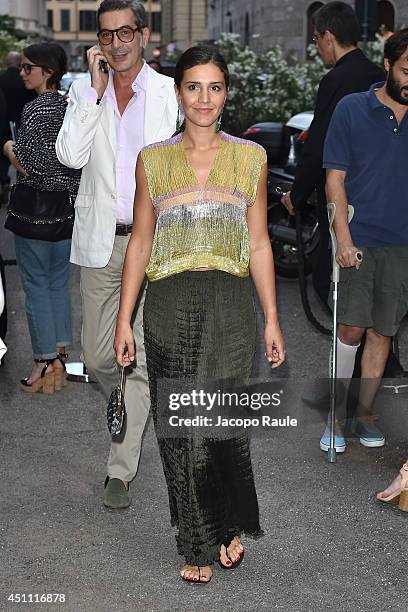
122,379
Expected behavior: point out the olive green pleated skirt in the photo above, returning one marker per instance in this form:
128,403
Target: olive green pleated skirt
200,326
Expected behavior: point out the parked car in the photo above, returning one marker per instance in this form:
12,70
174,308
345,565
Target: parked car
298,127
275,139
283,144
168,69
68,79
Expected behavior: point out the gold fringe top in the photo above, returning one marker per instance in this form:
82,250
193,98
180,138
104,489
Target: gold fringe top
201,226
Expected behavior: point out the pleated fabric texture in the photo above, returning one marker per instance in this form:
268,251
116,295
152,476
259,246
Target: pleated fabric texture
201,226
200,326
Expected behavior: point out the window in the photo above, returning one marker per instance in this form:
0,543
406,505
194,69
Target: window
386,15
65,20
156,22
50,19
247,31
87,21
228,14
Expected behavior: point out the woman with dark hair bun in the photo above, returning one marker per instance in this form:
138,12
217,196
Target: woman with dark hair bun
43,264
200,234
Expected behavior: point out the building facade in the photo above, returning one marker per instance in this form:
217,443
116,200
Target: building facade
264,23
184,23
74,26
30,15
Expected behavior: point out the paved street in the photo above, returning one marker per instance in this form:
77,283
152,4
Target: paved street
327,546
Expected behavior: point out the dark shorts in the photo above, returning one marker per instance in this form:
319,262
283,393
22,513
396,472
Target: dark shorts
376,295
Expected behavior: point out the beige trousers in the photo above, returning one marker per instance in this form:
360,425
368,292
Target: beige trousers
100,290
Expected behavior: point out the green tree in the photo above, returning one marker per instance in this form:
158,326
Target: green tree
266,87
11,39
272,86
375,49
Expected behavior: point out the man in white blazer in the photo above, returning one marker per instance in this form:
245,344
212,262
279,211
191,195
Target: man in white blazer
107,123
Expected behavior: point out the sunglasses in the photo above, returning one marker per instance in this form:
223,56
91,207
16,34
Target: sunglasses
28,67
125,34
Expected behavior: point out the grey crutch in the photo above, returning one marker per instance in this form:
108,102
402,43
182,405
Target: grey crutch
331,211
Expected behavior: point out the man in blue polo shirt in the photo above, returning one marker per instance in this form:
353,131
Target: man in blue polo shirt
365,154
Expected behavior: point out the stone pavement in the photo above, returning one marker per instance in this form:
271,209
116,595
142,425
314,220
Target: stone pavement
327,546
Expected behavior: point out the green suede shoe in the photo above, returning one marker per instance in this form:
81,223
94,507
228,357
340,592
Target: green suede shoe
116,495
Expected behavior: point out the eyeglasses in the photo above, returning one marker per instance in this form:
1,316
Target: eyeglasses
125,34
28,67
316,36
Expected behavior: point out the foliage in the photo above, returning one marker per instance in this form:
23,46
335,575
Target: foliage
272,86
8,24
374,50
267,87
172,57
11,39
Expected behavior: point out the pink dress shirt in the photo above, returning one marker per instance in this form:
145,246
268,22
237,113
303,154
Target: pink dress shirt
129,140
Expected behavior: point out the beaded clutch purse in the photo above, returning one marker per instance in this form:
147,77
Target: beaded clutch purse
116,410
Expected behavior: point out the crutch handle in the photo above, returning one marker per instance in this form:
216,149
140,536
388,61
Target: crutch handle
331,212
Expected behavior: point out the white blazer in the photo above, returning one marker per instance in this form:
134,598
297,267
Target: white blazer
87,140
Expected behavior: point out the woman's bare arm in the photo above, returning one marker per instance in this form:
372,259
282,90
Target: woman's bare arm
136,260
263,272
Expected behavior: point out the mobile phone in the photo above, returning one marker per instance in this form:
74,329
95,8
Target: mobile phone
13,130
103,66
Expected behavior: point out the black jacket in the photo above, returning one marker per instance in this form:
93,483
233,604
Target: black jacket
352,73
4,126
15,93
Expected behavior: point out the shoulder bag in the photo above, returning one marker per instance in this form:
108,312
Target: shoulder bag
40,215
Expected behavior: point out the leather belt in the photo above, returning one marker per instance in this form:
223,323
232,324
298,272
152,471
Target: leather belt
123,229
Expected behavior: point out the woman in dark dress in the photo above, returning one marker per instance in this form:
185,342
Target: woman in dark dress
200,234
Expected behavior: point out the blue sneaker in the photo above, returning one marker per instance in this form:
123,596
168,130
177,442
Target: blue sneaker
339,441
368,433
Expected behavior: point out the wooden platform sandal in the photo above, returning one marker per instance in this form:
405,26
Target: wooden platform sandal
46,382
61,373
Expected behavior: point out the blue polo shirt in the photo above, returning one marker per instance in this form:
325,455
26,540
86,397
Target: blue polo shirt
365,140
